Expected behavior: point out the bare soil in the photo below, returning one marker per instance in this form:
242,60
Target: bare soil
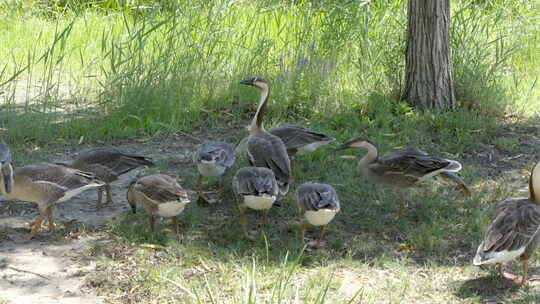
51,267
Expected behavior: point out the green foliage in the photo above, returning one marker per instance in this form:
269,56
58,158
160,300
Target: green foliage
141,67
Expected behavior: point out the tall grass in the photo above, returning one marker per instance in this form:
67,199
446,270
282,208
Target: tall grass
111,69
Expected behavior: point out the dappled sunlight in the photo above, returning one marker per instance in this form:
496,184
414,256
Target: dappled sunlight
161,77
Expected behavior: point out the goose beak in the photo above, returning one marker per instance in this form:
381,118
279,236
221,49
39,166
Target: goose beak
343,147
247,81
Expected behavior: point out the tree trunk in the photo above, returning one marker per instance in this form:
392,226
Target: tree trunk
428,77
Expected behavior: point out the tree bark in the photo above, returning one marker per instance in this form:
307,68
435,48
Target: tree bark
428,78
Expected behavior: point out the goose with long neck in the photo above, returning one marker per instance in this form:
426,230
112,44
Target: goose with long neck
403,168
256,126
42,184
514,232
263,148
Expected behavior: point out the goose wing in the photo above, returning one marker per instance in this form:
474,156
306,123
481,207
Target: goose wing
412,163
61,175
110,161
160,188
314,197
266,150
514,226
295,137
255,181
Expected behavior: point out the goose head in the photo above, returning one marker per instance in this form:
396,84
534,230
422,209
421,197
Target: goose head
257,82
256,125
5,167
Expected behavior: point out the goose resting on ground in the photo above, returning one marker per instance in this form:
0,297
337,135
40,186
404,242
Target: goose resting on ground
514,233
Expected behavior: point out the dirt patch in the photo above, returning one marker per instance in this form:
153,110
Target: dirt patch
51,268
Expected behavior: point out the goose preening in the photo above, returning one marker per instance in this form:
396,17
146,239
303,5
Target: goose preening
317,204
299,140
159,194
42,184
403,168
264,149
255,188
514,233
108,163
213,158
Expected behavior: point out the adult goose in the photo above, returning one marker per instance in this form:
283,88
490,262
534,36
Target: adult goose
403,168
263,148
514,233
108,163
255,188
42,184
213,158
317,205
299,140
159,194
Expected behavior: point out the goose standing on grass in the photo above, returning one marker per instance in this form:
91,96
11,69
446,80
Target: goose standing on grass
255,188
403,168
43,184
108,163
263,148
213,158
317,205
159,194
515,231
299,140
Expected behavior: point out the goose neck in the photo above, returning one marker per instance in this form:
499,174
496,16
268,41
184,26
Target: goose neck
370,157
257,123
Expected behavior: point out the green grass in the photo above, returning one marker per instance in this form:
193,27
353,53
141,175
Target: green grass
422,257
106,72
170,68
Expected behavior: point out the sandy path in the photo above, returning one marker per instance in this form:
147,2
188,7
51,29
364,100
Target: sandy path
51,268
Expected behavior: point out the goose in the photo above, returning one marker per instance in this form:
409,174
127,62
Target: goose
108,163
263,148
403,168
514,233
213,158
317,205
159,194
42,184
299,140
255,188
